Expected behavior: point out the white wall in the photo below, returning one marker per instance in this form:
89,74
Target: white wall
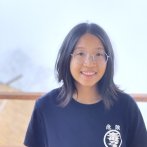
38,27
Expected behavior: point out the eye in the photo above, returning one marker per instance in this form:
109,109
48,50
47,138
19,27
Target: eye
99,54
80,54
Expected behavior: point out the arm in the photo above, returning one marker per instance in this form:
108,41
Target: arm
34,135
137,134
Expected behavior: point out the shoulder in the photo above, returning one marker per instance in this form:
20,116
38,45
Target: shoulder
47,99
128,106
125,103
125,99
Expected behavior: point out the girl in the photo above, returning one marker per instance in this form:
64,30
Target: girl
88,110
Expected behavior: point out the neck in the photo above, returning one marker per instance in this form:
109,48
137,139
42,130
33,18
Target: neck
87,95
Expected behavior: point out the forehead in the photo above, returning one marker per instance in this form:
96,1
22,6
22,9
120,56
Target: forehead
89,41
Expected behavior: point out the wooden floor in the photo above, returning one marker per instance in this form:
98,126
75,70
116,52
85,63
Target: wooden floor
14,117
14,120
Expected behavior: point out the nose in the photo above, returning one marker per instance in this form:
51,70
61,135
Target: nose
89,60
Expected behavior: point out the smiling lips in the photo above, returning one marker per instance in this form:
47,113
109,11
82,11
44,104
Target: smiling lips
88,73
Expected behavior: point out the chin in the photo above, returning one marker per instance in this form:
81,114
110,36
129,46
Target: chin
87,85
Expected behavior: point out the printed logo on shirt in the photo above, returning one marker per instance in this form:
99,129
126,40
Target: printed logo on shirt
112,137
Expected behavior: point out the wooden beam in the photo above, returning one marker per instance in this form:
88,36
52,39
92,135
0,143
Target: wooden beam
139,97
20,95
35,95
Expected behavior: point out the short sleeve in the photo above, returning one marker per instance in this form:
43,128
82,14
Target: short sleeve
137,131
35,134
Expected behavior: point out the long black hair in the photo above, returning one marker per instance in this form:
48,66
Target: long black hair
106,87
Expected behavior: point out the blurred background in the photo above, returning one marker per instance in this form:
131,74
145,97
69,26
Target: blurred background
31,32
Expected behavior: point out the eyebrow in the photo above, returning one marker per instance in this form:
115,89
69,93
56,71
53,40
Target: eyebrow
76,48
81,48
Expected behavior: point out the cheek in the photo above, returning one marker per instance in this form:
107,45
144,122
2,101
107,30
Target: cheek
103,69
74,69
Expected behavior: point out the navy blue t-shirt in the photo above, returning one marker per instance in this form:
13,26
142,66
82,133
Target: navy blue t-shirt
86,125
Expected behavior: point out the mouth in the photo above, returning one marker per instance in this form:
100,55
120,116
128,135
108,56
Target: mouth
88,73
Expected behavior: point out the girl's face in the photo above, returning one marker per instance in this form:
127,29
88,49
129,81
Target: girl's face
88,62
